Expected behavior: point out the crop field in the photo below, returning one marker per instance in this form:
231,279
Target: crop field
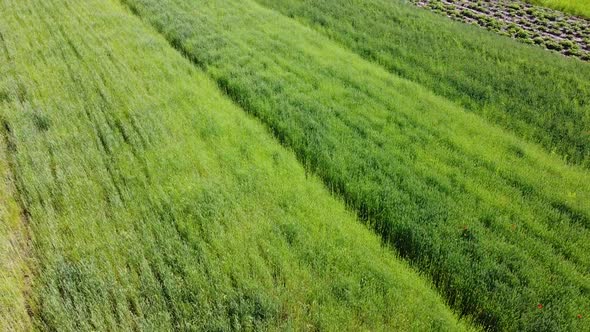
290,165
540,97
484,233
151,202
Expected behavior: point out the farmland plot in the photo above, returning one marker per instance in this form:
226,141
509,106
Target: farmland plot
148,201
540,97
498,224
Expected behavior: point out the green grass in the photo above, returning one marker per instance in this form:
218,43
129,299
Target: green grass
151,202
498,224
575,7
541,97
13,253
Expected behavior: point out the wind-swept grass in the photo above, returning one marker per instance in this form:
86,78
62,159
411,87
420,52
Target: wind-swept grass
14,253
539,96
155,204
498,224
15,258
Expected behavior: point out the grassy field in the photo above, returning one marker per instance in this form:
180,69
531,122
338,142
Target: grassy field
538,96
135,196
14,252
576,7
499,225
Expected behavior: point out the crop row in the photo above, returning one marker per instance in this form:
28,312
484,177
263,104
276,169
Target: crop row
528,23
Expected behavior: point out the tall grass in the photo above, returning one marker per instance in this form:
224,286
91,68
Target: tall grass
576,7
498,224
155,204
14,253
539,96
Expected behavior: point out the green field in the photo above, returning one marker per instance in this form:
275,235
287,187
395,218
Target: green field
540,97
137,197
575,7
293,165
497,223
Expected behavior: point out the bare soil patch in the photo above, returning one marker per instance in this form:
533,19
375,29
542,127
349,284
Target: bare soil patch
548,28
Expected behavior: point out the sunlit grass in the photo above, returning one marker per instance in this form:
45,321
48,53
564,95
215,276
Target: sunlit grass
576,7
154,203
498,224
539,96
